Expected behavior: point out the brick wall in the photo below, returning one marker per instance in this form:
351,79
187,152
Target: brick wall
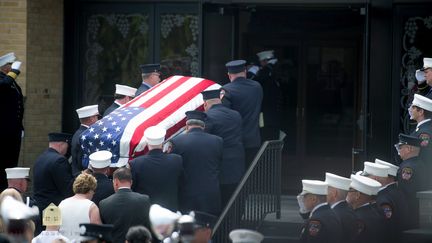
44,75
13,29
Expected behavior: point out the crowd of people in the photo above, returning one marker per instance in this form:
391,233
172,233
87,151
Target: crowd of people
196,172
380,202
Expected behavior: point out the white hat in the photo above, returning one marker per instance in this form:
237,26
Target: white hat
10,57
12,209
87,111
365,185
427,63
420,76
376,169
154,135
125,90
393,169
338,182
245,236
100,159
422,102
264,55
17,173
314,187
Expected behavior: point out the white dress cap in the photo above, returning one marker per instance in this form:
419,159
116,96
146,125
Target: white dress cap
125,90
376,169
427,63
10,57
422,102
87,111
100,159
154,135
245,236
393,169
17,173
264,55
365,185
338,182
314,187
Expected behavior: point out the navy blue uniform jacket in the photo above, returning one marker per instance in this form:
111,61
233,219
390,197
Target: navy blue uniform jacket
371,224
245,96
142,88
158,175
111,108
104,188
322,226
411,179
76,151
52,178
348,220
393,203
202,157
227,124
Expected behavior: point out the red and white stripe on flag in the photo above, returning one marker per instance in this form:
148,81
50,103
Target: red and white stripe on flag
165,105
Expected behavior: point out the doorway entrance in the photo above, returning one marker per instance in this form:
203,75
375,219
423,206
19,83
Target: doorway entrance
320,72
321,90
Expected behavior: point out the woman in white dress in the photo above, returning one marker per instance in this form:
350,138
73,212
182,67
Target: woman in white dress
78,208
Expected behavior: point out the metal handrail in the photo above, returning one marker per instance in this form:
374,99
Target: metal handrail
258,193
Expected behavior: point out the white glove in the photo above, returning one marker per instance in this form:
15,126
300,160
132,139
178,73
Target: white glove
300,202
420,76
16,65
254,69
273,61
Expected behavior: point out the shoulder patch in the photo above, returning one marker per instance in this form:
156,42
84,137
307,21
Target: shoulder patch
388,210
425,139
222,93
360,227
314,227
407,173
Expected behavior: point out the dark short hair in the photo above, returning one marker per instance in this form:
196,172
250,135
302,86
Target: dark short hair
119,96
138,234
427,114
123,174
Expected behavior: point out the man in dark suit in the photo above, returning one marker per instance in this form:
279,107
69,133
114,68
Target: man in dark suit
322,225
52,175
150,74
227,124
337,191
12,110
100,162
123,95
202,157
87,115
245,96
124,208
157,174
371,224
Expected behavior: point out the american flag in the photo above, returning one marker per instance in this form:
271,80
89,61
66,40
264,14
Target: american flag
121,132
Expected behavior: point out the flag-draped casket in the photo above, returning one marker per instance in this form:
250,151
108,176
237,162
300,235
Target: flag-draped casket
165,104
